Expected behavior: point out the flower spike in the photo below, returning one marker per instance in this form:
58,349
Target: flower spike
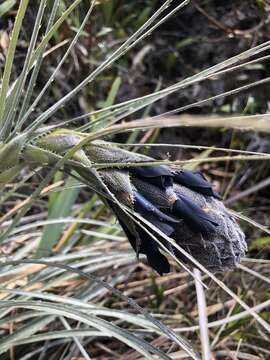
181,204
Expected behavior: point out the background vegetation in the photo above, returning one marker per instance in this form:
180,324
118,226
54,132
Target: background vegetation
71,287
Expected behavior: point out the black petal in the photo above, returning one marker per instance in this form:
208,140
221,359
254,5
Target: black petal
147,245
196,181
150,248
195,218
160,175
153,214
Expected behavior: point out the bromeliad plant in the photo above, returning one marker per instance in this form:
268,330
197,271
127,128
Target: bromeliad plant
178,202
163,209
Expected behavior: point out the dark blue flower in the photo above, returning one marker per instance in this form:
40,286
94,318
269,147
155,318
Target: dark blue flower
180,203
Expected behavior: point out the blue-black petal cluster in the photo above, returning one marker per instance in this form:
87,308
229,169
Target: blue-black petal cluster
166,217
179,203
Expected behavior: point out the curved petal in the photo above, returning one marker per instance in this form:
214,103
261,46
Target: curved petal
196,181
196,219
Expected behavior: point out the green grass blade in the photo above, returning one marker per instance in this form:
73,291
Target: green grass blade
12,111
9,61
113,92
126,108
34,75
103,326
61,207
167,331
41,47
55,72
128,44
54,29
6,6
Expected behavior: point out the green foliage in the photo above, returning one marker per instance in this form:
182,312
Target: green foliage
59,208
260,243
261,4
6,6
8,67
